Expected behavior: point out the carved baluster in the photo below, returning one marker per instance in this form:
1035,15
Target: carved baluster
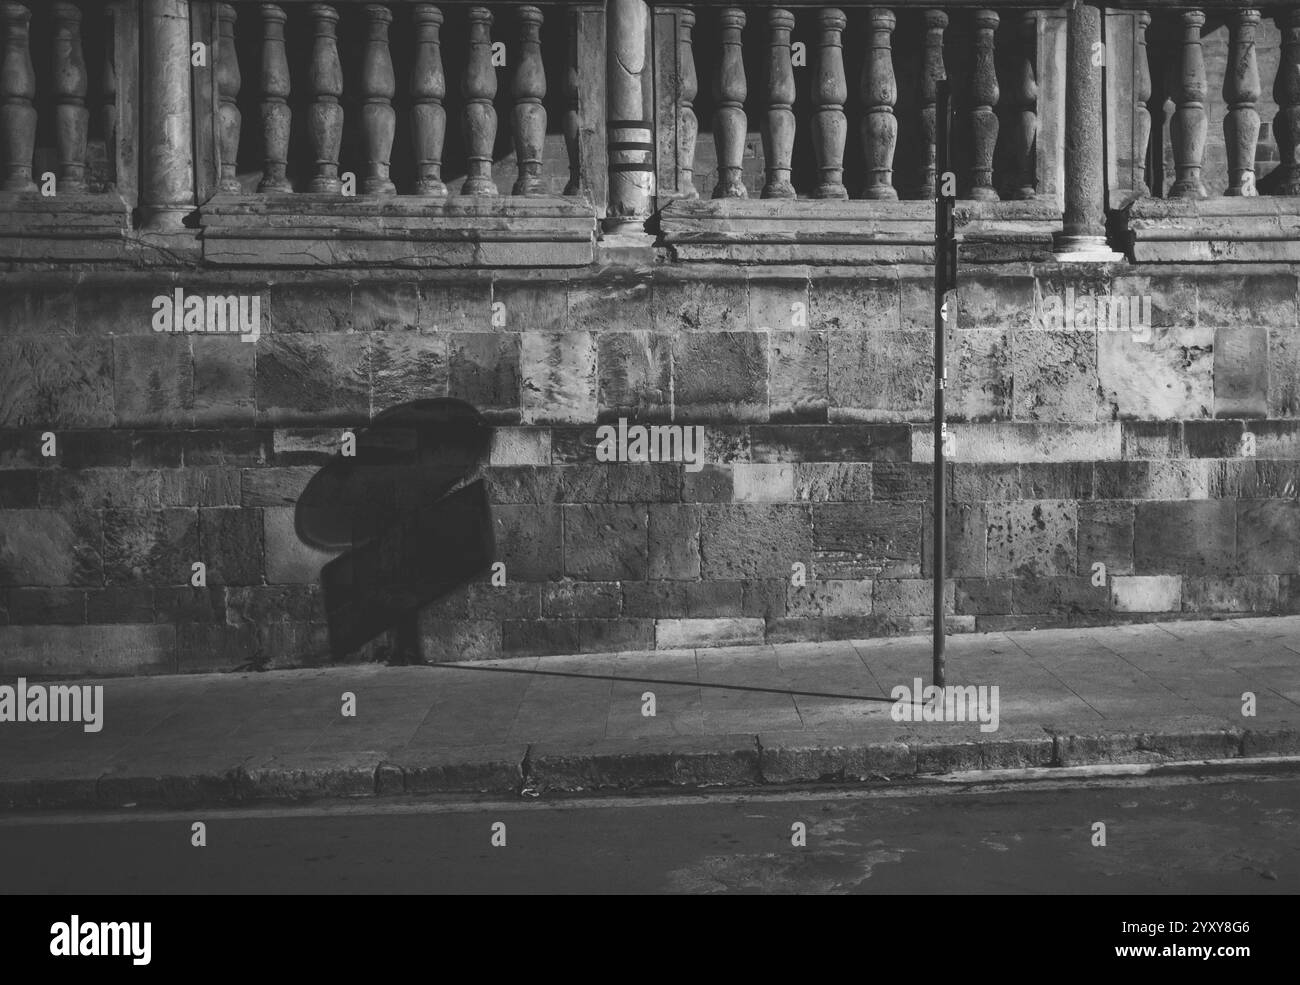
108,94
729,91
1286,93
571,104
778,123
688,127
228,84
984,96
1241,92
831,88
1190,125
17,90
1141,96
932,73
1025,102
378,119
325,121
879,127
428,87
529,90
276,115
479,88
71,116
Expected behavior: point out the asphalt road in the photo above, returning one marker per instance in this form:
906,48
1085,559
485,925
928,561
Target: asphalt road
1213,834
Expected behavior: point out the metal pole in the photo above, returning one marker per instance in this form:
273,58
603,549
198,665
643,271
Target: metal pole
945,276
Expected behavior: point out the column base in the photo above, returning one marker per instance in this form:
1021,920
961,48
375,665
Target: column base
1071,248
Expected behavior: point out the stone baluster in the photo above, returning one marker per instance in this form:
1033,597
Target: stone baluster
528,90
984,96
479,88
688,127
879,90
1190,124
276,114
17,91
932,73
167,189
778,122
1141,96
729,92
1025,103
108,92
378,85
71,117
1286,93
325,121
574,185
428,89
228,84
830,90
1241,91
629,131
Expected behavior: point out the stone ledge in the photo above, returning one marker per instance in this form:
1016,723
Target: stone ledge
1256,229
66,227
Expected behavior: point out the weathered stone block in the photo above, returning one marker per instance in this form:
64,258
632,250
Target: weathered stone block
598,306
798,386
979,483
99,489
225,382
1056,480
87,650
449,640
288,559
1009,442
881,376
154,546
1283,371
573,599
1061,595
701,305
532,306
47,606
635,375
120,604
720,376
456,307
1056,375
230,541
1268,536
837,443
521,637
884,536
56,381
856,305
826,482
765,599
779,305
676,634
1190,537
980,383
714,599
638,482
204,648
614,635
1106,536
1173,296
994,301
753,541
674,542
406,366
484,371
1253,299
1161,479
966,543
520,446
829,598
1214,439
904,481
711,484
529,541
762,483
316,306
258,604
558,378
605,542
654,599
895,597
385,306
305,379
1146,593
20,489
1241,371
1032,538
1219,593
180,605
154,379
981,596
1165,376
1153,439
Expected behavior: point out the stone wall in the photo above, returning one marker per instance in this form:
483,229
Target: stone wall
1170,457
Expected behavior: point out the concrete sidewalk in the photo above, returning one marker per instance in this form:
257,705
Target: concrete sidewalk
1146,693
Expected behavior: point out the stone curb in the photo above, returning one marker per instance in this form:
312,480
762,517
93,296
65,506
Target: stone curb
683,763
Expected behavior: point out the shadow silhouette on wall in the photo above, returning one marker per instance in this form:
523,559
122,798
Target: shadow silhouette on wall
409,513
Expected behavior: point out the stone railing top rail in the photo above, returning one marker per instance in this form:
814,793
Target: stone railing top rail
1216,5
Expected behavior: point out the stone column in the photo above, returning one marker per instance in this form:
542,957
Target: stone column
1083,236
631,138
166,117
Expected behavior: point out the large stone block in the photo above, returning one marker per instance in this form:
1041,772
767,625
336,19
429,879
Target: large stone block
99,489
484,372
677,634
881,376
615,635
56,381
856,304
308,379
1146,593
700,305
405,366
829,443
1221,593
288,559
531,305
779,305
456,307
829,598
1167,375
1055,375
582,599
643,482
385,306
966,543
635,375
973,483
820,482
154,546
883,537
230,540
1161,479
1029,539
20,489
558,378
529,541
767,483
87,650
980,383
520,446
894,597
1106,537
120,604
654,599
1008,442
153,378
798,385
1283,371
1268,536
225,381
674,542
1241,371
310,306
598,306
753,541
1058,595
44,547
47,606
1173,296
1190,537
1252,299
605,542
720,376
